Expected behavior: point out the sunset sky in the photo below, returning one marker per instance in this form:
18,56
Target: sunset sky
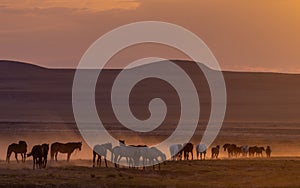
244,35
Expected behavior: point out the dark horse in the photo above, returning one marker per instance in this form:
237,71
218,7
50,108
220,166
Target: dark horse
17,148
64,148
39,154
45,154
188,148
215,152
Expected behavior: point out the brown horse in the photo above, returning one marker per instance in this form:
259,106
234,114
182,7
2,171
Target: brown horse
17,148
188,148
64,148
45,154
231,149
37,154
215,152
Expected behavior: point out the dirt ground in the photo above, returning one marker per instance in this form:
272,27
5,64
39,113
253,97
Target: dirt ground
274,172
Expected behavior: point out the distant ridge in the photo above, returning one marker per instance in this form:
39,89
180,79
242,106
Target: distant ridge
9,65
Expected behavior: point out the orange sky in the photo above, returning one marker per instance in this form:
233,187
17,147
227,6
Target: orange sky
246,35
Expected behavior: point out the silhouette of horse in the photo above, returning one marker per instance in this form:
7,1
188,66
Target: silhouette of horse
201,149
129,152
64,148
259,151
37,154
99,151
188,148
268,151
231,149
215,152
156,155
252,151
17,148
45,154
245,150
176,151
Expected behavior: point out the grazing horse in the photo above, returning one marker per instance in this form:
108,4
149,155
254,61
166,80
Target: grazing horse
176,151
37,154
231,149
215,152
64,148
156,156
45,154
131,154
17,148
188,148
201,149
268,151
101,150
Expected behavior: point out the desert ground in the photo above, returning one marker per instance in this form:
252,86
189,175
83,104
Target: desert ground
274,172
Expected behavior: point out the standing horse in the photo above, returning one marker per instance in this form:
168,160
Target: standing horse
131,154
188,148
37,154
231,149
17,148
64,148
201,149
99,151
215,152
176,151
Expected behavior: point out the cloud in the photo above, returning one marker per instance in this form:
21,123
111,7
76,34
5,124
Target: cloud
88,5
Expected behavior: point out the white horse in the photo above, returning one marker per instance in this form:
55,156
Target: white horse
176,151
101,150
201,149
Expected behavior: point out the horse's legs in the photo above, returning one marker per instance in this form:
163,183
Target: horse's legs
68,157
99,158
192,155
16,156
200,155
56,153
94,158
105,162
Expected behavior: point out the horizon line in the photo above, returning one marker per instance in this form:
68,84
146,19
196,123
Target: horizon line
117,68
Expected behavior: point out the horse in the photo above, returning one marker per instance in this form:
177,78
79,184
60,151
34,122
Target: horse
21,148
64,148
231,149
156,155
37,154
129,152
201,149
252,151
259,151
245,150
101,150
188,148
176,151
268,151
215,152
45,154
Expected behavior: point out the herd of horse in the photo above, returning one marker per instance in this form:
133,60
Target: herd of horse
39,153
132,153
